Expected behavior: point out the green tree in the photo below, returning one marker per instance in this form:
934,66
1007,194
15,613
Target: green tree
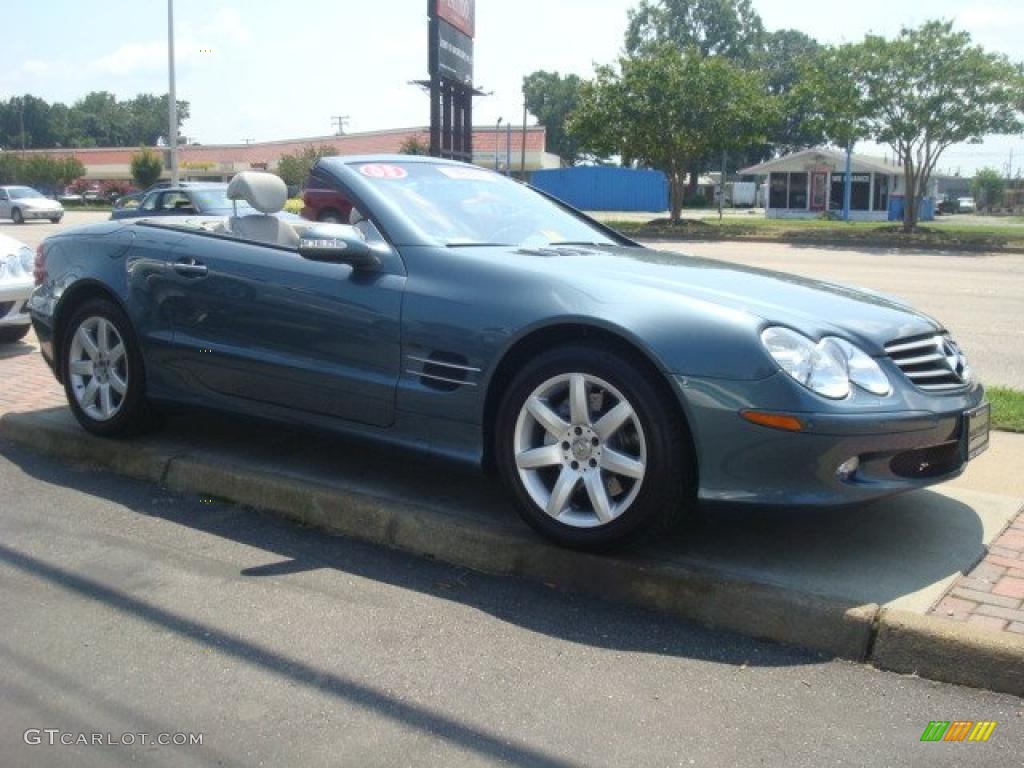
147,165
414,145
988,187
42,171
667,107
10,168
294,168
730,28
68,169
929,88
829,97
551,98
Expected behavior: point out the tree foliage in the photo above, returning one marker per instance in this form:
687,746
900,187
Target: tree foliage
920,92
414,145
147,165
551,98
667,108
988,187
97,119
294,168
43,171
730,28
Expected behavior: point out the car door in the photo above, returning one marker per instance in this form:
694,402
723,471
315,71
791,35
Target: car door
257,322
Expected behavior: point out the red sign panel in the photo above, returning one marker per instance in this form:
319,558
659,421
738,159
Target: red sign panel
461,14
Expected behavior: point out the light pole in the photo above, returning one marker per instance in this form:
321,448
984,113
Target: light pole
497,138
172,99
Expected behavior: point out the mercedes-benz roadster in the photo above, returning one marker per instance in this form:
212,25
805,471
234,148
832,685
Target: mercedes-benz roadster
609,385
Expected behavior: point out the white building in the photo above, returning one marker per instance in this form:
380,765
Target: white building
806,184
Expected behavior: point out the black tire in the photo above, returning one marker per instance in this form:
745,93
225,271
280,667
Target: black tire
55,220
11,334
134,414
16,216
666,496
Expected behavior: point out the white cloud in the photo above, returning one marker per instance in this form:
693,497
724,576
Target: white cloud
192,42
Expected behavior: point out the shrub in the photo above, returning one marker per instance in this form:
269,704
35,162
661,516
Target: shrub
147,165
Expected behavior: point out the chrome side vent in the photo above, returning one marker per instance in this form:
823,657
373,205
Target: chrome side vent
932,363
443,371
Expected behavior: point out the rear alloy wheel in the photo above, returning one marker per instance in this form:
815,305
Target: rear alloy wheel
590,449
103,373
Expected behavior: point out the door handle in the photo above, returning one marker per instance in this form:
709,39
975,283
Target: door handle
190,267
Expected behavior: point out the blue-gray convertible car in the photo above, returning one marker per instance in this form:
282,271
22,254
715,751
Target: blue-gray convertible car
609,385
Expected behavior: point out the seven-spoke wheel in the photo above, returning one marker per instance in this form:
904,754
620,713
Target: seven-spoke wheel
593,450
580,450
98,368
102,371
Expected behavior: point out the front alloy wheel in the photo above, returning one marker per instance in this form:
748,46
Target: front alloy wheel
580,450
593,447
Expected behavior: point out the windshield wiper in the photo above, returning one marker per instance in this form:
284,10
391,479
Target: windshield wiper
478,245
576,242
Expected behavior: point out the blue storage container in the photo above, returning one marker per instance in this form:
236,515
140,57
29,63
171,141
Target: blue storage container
601,188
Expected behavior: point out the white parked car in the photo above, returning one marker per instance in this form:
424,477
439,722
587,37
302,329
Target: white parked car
16,283
19,204
966,205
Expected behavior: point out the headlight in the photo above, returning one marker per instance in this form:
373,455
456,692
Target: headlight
27,258
826,367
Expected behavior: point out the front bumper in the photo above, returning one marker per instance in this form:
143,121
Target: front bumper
897,450
41,213
13,298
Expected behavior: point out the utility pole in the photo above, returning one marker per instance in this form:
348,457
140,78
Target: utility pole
721,188
522,154
508,148
172,98
848,183
497,138
339,122
247,141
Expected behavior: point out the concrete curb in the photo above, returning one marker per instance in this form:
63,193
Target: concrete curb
654,236
891,639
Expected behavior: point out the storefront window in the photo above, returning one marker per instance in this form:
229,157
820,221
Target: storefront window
788,190
860,193
881,192
778,190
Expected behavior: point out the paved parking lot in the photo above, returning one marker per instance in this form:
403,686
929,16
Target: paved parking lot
980,298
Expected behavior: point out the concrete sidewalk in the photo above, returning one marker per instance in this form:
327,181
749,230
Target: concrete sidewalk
830,580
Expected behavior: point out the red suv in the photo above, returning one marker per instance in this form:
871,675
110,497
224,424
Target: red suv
320,204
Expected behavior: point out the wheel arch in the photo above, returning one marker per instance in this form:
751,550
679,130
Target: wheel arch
72,298
567,332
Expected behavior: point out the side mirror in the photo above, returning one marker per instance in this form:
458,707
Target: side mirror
337,244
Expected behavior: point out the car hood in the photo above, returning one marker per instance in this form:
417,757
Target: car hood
814,307
38,203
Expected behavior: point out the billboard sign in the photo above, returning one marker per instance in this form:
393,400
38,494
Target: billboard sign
454,54
461,14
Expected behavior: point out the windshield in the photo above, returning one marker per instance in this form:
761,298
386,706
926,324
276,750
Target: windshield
215,199
22,193
461,205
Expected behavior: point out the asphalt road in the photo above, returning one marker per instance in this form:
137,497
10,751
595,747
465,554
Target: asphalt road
979,298
127,609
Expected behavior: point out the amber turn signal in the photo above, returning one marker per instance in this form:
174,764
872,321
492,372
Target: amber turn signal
774,420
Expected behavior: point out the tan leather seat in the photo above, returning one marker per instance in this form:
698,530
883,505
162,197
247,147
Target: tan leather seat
267,194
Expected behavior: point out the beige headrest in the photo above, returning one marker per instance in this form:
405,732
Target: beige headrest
265,192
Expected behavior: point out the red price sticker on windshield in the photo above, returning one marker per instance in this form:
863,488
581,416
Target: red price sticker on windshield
381,171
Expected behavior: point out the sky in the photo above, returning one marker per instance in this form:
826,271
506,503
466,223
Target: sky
263,69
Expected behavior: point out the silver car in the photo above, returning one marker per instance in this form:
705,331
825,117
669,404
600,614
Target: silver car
16,283
20,204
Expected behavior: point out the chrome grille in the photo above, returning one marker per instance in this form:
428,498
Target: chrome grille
932,363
